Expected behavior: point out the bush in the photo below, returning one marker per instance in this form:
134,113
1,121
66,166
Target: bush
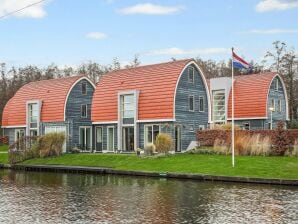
227,126
293,124
50,144
221,147
163,143
149,149
280,140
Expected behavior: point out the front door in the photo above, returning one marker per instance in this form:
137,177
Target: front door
98,139
85,138
128,139
178,139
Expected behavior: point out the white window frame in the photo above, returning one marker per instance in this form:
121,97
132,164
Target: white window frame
83,83
222,91
279,103
193,103
203,98
123,104
191,128
86,106
273,104
145,133
29,129
108,137
244,123
191,80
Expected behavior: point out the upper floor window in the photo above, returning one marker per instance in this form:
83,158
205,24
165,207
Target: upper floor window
191,75
84,88
191,103
128,106
276,85
33,115
201,104
219,106
84,111
273,104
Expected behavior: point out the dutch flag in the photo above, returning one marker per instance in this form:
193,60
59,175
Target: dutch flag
240,63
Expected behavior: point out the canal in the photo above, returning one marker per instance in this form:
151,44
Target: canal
32,197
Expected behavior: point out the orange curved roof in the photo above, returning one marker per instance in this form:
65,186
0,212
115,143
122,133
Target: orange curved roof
156,85
52,93
250,95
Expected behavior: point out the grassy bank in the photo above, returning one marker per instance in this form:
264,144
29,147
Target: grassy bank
3,148
246,166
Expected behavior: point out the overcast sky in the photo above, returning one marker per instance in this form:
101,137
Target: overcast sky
69,32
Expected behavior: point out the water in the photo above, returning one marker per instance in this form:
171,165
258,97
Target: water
72,198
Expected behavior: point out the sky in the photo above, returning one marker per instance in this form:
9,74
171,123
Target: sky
71,32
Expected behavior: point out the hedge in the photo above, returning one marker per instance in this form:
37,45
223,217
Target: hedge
4,140
207,137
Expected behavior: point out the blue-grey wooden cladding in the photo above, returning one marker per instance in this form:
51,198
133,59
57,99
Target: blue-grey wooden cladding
73,111
190,120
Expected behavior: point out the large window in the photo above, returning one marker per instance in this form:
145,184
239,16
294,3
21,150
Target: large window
191,103
33,115
219,106
128,106
279,107
151,132
276,84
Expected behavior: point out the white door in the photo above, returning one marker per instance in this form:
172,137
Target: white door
57,129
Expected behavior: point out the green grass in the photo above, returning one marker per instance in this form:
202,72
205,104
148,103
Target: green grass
3,148
246,166
3,158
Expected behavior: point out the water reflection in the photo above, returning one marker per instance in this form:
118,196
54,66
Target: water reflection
72,198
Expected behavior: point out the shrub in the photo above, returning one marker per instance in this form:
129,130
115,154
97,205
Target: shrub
227,126
163,143
280,140
50,144
221,147
295,148
293,124
149,149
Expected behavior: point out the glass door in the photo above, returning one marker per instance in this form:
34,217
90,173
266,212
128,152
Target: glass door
98,139
128,139
85,138
110,142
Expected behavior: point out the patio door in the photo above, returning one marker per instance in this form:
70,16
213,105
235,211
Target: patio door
98,133
19,133
178,139
128,139
85,139
110,139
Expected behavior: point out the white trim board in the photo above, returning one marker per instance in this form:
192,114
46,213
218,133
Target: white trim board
249,118
15,126
105,122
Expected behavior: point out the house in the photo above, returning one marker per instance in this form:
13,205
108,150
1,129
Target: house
56,105
132,106
260,100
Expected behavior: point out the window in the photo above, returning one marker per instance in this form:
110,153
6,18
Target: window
191,128
201,104
191,103
128,106
191,75
33,115
84,88
99,134
84,111
219,106
276,85
279,107
151,132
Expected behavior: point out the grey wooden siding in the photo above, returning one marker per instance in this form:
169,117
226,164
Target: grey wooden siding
73,111
254,124
184,117
274,94
10,132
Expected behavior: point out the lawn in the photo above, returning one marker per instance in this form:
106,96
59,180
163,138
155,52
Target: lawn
3,148
246,166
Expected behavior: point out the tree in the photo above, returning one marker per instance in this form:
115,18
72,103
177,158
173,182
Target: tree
276,55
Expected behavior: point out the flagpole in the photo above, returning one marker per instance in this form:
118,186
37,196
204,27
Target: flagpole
233,128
